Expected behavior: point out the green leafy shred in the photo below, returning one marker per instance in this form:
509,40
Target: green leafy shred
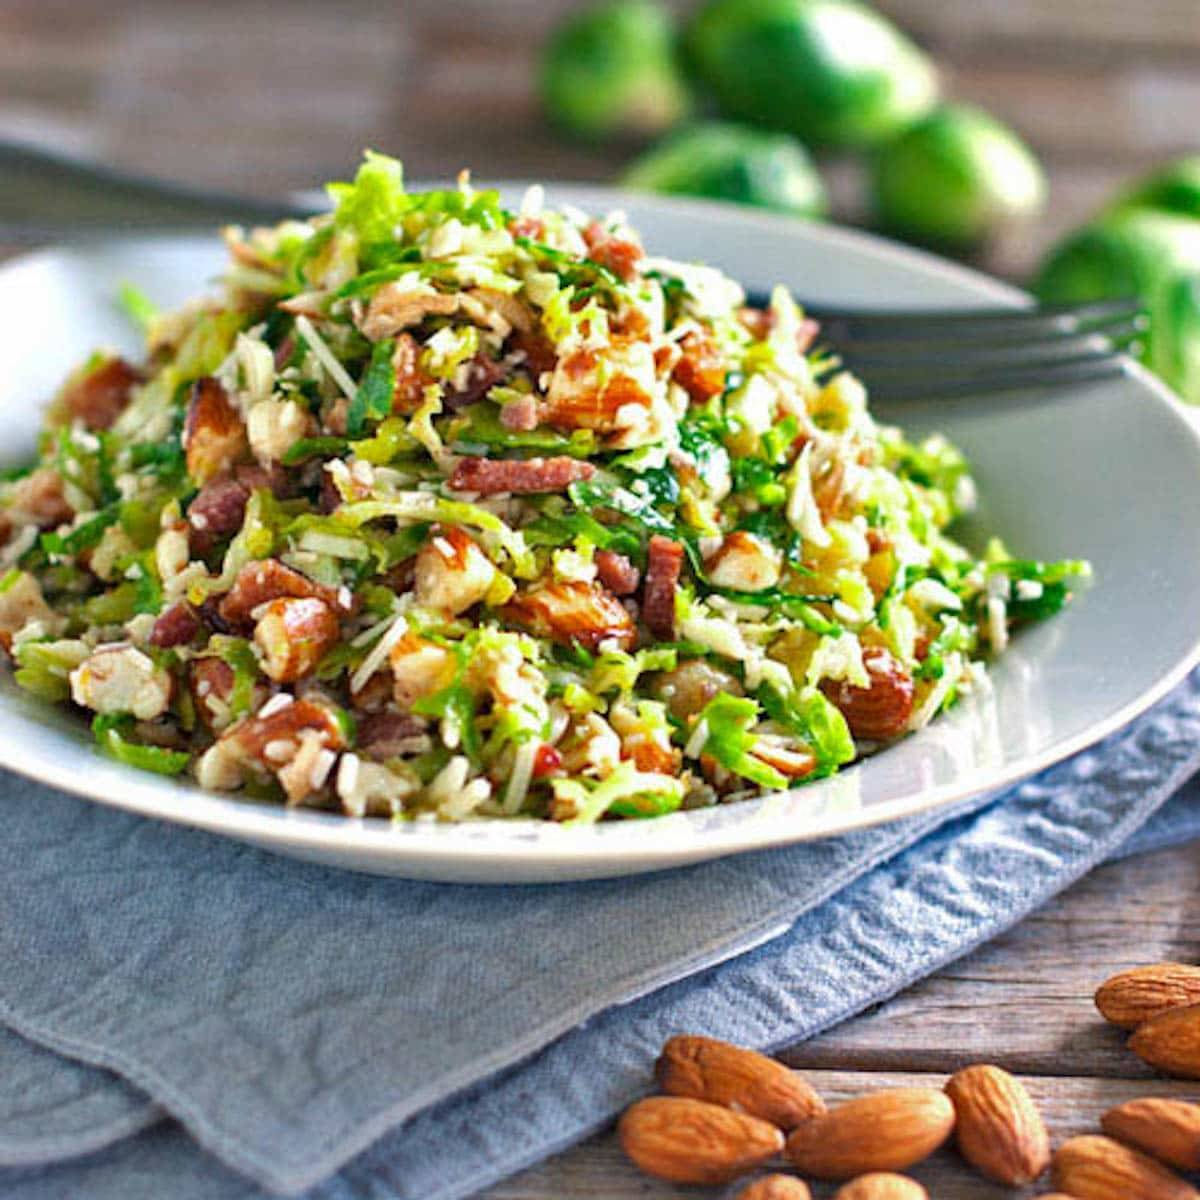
729,720
112,736
373,399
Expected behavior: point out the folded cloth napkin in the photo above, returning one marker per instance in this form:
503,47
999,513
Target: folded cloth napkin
364,1038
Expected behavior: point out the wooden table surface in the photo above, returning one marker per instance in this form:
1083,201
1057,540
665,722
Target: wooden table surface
268,95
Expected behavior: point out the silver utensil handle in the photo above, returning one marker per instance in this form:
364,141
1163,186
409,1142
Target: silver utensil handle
45,195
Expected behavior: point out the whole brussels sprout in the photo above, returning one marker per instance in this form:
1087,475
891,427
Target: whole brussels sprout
956,177
1154,256
830,71
610,71
1175,188
730,162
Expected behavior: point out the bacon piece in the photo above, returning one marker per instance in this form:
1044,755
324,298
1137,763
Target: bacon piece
759,322
175,627
527,227
483,373
214,434
540,355
489,476
520,416
99,397
617,573
573,612
384,734
663,566
259,582
701,369
621,255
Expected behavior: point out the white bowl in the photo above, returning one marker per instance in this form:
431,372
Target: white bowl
1109,471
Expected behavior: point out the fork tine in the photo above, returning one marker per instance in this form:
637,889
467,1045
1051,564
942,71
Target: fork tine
1056,372
958,351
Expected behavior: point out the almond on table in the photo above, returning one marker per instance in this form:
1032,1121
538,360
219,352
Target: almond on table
1170,1041
1092,1167
998,1128
691,1141
1131,997
708,1069
883,1131
1168,1130
882,1185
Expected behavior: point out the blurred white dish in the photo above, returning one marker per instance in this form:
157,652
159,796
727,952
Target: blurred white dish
1108,472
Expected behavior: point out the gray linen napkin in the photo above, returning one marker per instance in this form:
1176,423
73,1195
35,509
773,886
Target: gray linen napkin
289,1015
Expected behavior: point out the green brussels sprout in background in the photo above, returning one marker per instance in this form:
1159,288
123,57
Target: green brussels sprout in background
730,162
610,71
1174,188
832,72
1152,255
956,177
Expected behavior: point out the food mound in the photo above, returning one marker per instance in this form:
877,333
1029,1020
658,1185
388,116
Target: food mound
443,510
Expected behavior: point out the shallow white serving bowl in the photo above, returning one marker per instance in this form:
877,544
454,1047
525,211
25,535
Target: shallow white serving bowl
1108,472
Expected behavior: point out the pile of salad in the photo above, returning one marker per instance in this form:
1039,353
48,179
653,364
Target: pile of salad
444,510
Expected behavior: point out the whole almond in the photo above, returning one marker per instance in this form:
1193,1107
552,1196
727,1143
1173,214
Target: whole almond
1135,996
1170,1041
884,1131
997,1126
882,1185
1168,1130
690,1141
775,1187
707,1069
1097,1168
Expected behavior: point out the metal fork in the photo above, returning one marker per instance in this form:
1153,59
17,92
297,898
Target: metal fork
899,355
935,354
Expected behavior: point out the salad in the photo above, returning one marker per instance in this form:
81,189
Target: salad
445,511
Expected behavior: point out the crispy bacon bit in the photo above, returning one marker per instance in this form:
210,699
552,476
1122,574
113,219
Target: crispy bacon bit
214,435
483,373
539,352
700,370
621,255
99,397
882,710
490,476
411,381
392,309
617,573
175,627
384,734
259,582
216,512
877,540
759,322
520,416
663,565
547,761
528,227
573,612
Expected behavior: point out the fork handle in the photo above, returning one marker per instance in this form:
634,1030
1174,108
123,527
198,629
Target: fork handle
49,195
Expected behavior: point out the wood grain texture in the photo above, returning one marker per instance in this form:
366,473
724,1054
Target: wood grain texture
1022,1002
